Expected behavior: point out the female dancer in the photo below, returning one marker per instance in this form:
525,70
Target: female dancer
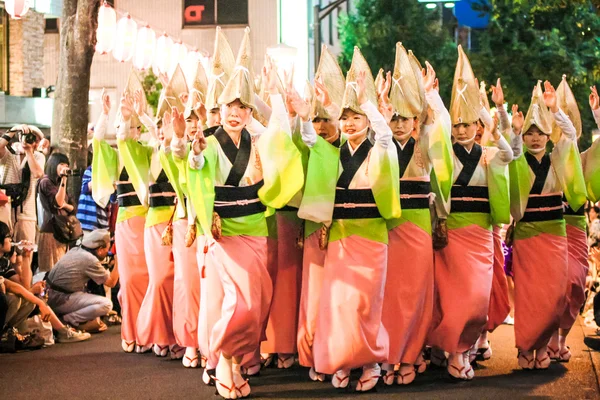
354,194
463,269
236,174
408,301
108,168
540,250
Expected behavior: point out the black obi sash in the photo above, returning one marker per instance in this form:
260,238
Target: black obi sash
414,194
465,198
232,200
353,203
541,207
126,194
162,192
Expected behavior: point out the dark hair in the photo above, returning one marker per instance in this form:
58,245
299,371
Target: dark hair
54,160
4,231
90,155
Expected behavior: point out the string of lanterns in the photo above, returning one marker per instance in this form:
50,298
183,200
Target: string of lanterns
126,42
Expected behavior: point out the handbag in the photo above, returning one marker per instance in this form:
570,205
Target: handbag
439,236
66,228
510,235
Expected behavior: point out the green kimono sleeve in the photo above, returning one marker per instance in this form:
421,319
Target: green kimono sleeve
520,186
136,159
591,171
499,193
440,154
182,170
105,165
321,177
384,177
304,154
282,170
200,185
566,161
172,171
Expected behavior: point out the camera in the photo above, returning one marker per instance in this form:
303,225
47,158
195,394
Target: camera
71,172
28,138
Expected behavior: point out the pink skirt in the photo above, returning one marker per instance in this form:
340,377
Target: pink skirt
133,273
499,301
186,294
540,264
211,299
282,326
155,321
242,266
349,332
463,282
578,270
408,300
313,263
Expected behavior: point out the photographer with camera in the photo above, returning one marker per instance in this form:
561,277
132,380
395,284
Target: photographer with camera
68,279
57,206
21,166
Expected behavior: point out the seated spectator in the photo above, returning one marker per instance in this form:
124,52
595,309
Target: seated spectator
20,302
53,196
68,279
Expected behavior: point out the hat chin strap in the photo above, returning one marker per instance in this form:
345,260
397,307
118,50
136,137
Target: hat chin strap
466,142
536,151
357,134
404,137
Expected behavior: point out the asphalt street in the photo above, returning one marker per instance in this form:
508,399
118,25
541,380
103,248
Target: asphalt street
98,369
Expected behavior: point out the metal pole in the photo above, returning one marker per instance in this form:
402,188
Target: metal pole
318,15
317,35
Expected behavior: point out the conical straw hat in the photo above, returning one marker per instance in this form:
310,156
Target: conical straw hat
567,103
464,105
350,100
241,83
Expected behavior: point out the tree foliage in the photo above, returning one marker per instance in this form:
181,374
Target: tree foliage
526,40
376,25
530,40
152,88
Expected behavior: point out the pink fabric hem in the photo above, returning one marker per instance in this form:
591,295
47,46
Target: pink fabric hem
155,320
540,264
242,268
499,301
463,279
349,332
313,264
282,326
211,299
578,270
133,273
186,294
408,300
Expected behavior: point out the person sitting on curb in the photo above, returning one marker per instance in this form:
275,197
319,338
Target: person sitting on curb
68,279
20,302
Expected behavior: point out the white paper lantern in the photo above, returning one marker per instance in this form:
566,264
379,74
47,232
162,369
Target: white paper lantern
145,46
190,64
163,53
125,40
17,8
178,55
107,27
